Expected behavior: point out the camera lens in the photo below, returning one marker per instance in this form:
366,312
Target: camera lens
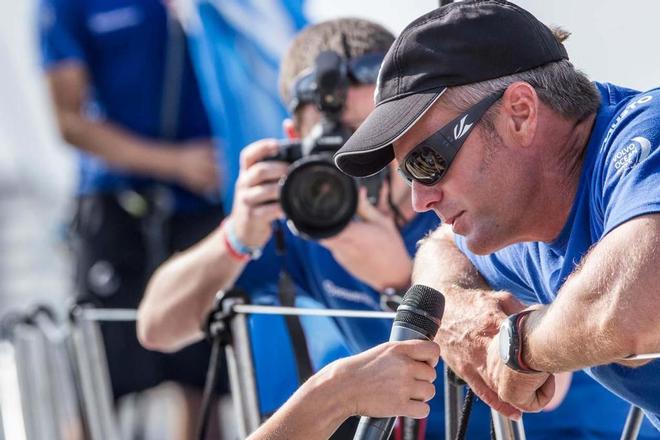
317,198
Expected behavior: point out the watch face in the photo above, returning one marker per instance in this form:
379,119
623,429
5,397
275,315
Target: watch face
506,336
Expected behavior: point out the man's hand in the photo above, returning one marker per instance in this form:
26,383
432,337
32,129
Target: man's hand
256,196
196,167
467,330
529,392
391,265
391,379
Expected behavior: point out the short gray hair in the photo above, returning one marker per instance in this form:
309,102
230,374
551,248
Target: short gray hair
559,85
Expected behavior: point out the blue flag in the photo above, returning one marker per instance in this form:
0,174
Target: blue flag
237,46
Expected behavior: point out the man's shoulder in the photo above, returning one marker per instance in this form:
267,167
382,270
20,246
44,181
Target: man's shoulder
629,130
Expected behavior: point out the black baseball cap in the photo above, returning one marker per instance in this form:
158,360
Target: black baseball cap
460,43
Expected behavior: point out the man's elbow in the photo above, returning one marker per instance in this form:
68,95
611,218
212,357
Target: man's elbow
150,334
630,335
69,124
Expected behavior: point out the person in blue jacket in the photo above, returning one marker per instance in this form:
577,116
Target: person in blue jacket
550,186
126,97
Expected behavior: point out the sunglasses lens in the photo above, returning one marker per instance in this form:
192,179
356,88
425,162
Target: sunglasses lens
425,166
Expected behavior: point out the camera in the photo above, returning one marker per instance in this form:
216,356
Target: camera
317,198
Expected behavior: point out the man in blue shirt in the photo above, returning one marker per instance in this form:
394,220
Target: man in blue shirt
126,96
551,187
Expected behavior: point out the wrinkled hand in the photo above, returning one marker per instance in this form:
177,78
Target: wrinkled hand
391,379
196,167
256,196
375,234
529,392
464,336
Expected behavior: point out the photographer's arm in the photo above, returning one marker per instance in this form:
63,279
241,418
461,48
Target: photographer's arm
473,312
181,292
607,309
394,378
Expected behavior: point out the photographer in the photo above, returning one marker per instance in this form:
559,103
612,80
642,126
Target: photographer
550,184
332,271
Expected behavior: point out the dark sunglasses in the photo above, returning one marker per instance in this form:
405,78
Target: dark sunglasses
360,70
429,161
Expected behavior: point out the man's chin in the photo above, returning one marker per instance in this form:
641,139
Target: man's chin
479,246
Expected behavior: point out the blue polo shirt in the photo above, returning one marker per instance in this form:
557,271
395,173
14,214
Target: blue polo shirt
620,180
122,45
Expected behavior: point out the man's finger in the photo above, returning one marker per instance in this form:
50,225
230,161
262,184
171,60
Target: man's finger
490,397
547,391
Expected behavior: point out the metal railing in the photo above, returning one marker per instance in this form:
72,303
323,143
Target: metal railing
72,398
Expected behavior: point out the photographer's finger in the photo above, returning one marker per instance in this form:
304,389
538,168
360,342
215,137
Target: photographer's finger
366,211
267,212
258,151
263,172
260,194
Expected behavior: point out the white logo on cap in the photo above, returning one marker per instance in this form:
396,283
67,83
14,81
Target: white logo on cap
461,128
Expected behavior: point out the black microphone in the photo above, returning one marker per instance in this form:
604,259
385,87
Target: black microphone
418,317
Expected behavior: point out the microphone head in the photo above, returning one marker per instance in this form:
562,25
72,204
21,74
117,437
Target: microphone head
422,308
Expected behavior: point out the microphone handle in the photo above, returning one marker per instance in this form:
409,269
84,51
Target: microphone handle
380,428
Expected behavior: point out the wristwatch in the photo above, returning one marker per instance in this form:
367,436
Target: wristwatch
510,340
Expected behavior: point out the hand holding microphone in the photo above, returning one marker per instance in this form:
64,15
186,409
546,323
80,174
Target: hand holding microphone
418,318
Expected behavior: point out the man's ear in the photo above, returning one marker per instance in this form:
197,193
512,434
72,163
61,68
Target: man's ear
521,104
289,129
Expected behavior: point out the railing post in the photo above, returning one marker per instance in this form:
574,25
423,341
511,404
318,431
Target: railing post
241,370
454,397
94,379
507,429
633,423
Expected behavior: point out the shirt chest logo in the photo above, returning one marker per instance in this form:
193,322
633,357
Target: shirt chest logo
110,21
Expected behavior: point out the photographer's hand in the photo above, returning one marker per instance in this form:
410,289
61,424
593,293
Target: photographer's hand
256,196
391,266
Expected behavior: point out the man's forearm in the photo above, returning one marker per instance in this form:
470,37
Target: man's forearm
607,309
120,148
182,291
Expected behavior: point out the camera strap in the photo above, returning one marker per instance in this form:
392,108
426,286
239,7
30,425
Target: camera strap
287,297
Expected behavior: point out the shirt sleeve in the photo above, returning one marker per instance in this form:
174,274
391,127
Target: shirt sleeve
61,31
628,181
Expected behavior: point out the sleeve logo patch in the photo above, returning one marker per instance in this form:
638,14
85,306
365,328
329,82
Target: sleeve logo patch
635,152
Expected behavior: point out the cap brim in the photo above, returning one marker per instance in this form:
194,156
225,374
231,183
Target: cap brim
369,149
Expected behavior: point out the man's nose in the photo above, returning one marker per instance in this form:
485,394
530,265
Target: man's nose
424,197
